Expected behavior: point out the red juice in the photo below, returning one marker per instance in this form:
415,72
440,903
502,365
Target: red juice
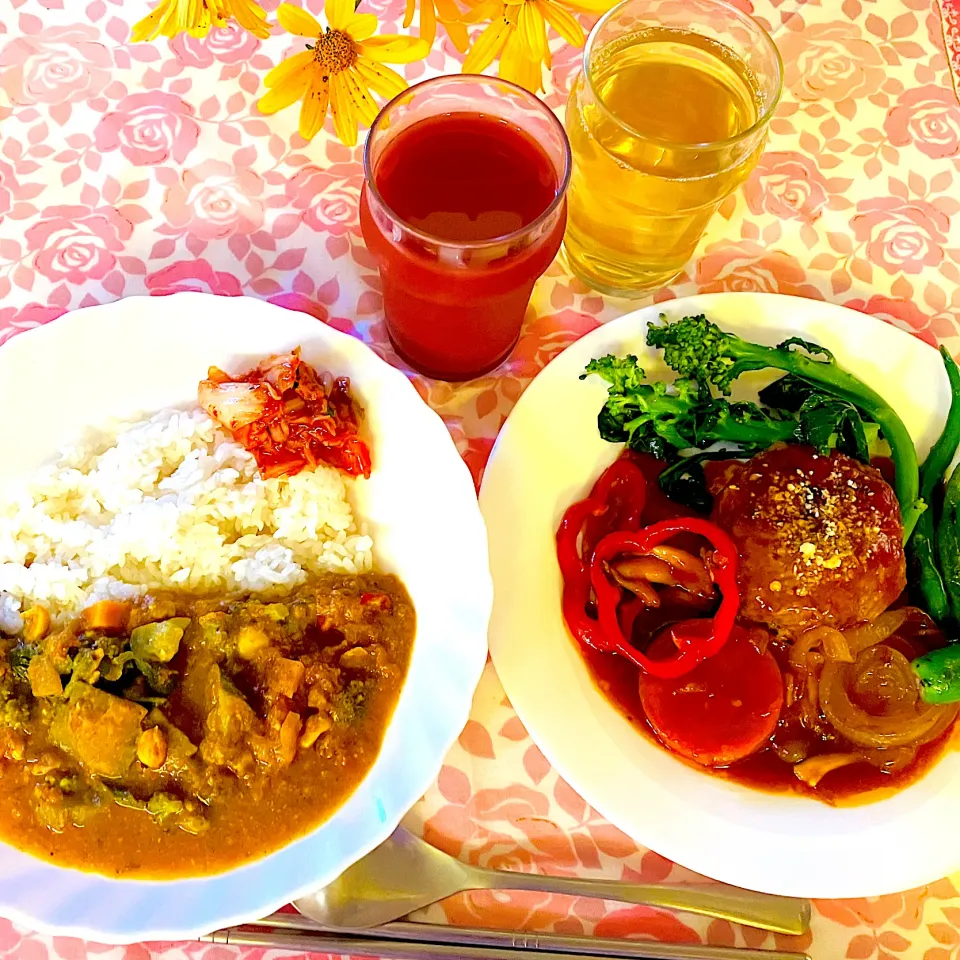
459,233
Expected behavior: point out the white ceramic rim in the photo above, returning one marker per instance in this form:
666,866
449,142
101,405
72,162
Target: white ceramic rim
546,456
61,901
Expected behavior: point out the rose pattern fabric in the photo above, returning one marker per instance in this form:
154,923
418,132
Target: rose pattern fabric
929,118
901,236
132,169
192,276
751,268
9,187
54,66
76,244
215,200
149,129
787,185
831,61
228,44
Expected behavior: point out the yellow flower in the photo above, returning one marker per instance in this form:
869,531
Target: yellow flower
340,70
518,36
446,12
170,17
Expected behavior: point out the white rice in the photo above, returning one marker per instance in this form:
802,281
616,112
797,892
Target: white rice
168,502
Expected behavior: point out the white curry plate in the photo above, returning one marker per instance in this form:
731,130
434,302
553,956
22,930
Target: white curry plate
548,454
135,356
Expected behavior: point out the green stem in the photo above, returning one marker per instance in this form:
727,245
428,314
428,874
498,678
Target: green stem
907,480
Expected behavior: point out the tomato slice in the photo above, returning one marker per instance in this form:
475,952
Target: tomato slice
723,710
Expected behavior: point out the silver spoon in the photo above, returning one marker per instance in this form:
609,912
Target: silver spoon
405,874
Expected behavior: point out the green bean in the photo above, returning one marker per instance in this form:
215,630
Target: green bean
943,451
939,674
924,572
923,548
948,543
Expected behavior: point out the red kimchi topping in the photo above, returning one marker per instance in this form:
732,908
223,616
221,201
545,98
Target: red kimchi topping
288,417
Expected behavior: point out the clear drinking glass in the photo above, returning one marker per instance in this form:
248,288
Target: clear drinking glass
453,294
668,117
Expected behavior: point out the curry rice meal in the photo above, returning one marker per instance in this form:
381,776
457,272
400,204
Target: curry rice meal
198,659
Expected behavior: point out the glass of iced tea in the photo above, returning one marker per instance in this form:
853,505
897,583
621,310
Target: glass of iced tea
463,208
668,117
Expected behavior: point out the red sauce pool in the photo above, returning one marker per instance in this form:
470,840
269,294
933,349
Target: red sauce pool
618,680
460,178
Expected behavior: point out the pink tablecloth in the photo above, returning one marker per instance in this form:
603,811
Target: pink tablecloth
130,169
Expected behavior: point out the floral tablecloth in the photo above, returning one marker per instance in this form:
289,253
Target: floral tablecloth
131,169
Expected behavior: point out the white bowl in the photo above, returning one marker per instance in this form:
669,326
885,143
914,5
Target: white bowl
548,455
138,355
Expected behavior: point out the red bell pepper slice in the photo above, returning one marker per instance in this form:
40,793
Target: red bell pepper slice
616,502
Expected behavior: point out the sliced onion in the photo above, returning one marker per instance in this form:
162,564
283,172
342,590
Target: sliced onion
688,570
831,640
810,701
813,770
870,634
875,702
890,759
232,404
791,743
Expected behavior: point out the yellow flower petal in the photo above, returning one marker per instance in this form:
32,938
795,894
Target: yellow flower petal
487,46
533,30
428,22
449,16
409,12
338,13
380,79
187,14
592,6
517,66
151,25
457,32
485,10
251,16
364,106
298,21
288,68
392,48
314,109
344,119
288,92
563,22
193,16
361,25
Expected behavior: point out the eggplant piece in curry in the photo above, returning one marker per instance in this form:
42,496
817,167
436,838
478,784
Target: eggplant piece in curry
182,735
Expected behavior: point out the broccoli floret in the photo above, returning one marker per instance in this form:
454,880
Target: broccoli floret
19,659
350,704
696,348
13,714
662,418
14,710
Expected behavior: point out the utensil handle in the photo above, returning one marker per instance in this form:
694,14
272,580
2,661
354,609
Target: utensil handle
780,914
486,946
577,944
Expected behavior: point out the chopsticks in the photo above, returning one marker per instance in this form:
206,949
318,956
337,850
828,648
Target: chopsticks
405,940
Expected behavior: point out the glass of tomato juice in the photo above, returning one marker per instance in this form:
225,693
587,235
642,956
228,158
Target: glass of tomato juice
463,208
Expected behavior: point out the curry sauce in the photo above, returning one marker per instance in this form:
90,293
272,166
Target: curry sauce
200,732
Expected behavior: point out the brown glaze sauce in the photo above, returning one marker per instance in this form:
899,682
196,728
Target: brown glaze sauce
618,681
